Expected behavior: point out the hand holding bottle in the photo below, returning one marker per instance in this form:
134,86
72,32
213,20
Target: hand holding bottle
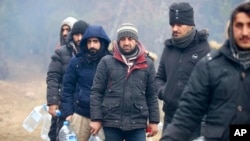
95,127
52,110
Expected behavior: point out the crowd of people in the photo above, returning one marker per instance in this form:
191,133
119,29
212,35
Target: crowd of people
112,88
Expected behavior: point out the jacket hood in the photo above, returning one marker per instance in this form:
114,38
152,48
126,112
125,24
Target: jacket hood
94,31
67,21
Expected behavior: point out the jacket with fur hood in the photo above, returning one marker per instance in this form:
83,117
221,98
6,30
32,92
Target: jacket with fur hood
175,67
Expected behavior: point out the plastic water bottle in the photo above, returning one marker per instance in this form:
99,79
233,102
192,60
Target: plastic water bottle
94,138
201,138
66,133
34,118
47,122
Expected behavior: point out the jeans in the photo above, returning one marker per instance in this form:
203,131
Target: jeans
53,129
116,134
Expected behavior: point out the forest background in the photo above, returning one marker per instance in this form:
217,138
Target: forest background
30,32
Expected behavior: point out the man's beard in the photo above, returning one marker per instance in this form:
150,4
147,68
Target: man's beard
92,51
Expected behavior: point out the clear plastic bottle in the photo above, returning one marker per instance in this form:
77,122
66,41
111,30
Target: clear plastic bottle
47,122
34,118
94,138
66,133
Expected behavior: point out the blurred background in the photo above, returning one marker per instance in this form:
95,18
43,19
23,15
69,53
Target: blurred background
30,32
30,29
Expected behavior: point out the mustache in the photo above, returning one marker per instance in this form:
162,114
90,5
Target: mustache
244,37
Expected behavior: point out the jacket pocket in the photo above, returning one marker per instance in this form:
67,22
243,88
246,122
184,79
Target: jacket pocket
212,131
111,111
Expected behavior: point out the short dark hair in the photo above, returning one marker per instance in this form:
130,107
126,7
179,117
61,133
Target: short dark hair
244,7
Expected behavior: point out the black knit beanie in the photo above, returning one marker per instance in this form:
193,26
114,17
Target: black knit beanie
79,27
181,13
127,30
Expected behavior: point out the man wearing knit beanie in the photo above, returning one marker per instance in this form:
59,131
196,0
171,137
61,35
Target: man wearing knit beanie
180,55
57,68
123,91
129,30
77,32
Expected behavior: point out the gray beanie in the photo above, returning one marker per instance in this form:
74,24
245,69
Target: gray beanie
127,30
181,13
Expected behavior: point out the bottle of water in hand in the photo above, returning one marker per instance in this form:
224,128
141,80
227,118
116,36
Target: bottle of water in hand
66,133
34,118
94,138
47,122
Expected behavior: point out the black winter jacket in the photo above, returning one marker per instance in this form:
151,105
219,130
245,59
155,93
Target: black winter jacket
219,88
124,98
56,70
175,67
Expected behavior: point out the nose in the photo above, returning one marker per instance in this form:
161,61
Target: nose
174,27
80,37
126,41
245,30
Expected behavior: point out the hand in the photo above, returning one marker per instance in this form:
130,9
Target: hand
52,109
153,128
95,127
69,118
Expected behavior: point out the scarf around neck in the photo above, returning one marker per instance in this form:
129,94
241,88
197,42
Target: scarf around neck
243,56
184,41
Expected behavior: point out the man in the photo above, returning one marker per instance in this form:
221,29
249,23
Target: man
78,80
123,98
181,53
65,28
218,87
56,70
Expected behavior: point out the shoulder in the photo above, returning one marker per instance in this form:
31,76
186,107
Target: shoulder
107,58
211,56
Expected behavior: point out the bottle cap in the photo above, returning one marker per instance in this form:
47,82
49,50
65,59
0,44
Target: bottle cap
66,122
58,113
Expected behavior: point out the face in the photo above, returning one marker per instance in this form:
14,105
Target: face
65,30
93,45
77,38
127,44
180,30
241,30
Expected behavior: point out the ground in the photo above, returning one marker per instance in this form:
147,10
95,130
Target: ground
24,89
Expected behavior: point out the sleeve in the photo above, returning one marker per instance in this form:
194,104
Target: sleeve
98,89
151,95
161,78
193,104
54,78
69,86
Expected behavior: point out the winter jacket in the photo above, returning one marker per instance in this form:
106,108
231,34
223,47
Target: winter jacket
57,67
175,67
219,88
80,73
124,98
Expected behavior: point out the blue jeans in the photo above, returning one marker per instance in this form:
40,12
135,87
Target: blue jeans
116,134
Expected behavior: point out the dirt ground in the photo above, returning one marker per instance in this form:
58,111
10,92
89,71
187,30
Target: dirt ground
24,89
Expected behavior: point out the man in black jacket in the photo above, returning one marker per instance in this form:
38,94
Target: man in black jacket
218,87
56,70
181,53
123,99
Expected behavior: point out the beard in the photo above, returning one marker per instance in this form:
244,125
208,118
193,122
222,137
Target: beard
93,51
